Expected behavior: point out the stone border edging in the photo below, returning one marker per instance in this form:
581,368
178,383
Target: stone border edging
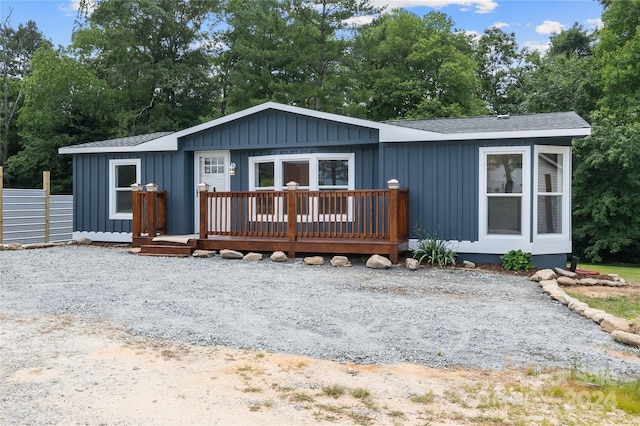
621,330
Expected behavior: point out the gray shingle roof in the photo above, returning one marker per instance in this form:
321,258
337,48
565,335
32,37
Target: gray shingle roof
545,121
128,141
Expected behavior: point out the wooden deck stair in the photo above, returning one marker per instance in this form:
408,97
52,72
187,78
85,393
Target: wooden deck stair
167,246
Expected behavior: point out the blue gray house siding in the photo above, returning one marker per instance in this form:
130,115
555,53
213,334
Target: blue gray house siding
91,189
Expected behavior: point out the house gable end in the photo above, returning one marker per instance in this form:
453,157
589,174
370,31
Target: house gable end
274,128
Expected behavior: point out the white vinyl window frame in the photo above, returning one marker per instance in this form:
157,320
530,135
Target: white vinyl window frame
565,194
278,185
496,241
114,189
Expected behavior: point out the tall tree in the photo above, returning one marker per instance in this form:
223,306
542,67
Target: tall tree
499,59
65,104
16,50
415,67
566,78
607,171
321,42
156,53
252,64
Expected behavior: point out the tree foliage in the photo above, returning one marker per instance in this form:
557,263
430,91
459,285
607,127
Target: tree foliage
415,67
65,104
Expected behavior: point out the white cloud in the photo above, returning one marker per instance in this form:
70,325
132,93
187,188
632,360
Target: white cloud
594,24
500,25
475,36
549,27
71,7
540,47
479,6
359,20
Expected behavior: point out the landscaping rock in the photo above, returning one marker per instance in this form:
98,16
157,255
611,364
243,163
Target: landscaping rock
565,273
411,264
314,260
596,315
340,261
378,262
204,253
630,339
15,246
566,281
134,250
34,246
611,323
468,264
589,281
543,275
252,256
549,286
84,241
560,296
230,254
278,256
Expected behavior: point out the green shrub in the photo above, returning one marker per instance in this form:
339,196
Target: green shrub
434,250
517,260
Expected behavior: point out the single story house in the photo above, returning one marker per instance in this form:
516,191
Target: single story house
487,185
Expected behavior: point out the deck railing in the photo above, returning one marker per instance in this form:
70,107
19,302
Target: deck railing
296,214
149,211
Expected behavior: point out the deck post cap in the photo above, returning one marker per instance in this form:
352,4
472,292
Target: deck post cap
393,183
203,187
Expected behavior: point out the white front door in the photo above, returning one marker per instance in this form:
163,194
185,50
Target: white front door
211,167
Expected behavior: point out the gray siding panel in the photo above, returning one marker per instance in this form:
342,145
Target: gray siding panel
278,129
443,183
91,189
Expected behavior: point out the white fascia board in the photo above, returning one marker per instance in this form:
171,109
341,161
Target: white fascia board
108,237
517,134
477,247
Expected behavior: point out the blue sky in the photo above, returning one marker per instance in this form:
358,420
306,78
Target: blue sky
533,21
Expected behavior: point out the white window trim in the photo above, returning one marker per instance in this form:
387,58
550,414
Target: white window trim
113,215
498,241
565,235
313,159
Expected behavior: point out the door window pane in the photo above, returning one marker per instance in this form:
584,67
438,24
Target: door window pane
504,173
333,172
505,215
297,171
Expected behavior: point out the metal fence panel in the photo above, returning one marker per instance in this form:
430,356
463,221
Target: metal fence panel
24,216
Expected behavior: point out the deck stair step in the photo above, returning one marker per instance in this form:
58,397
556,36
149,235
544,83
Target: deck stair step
168,250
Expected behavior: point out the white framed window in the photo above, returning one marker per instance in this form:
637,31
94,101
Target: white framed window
312,172
505,193
122,173
552,189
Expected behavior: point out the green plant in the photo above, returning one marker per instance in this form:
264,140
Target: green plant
433,250
335,391
517,260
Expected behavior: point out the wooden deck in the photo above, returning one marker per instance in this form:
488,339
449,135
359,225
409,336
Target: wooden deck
293,221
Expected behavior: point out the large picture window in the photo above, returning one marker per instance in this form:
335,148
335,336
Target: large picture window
122,173
312,172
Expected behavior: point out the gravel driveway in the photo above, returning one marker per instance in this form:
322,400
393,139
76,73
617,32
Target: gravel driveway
438,318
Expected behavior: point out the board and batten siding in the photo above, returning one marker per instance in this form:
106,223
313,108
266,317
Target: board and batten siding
443,182
167,169
278,129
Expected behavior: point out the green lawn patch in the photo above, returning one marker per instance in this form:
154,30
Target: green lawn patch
621,306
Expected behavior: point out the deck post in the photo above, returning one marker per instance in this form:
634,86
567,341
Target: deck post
151,198
393,185
136,207
292,226
203,190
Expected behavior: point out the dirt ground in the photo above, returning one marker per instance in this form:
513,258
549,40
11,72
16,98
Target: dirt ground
72,370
